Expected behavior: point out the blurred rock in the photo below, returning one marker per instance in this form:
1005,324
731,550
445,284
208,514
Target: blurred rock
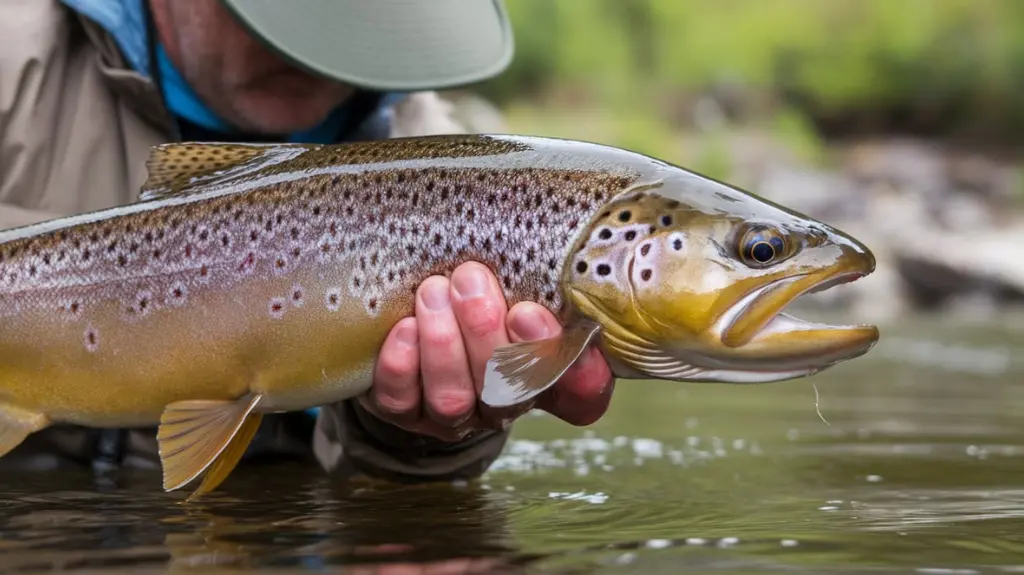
946,228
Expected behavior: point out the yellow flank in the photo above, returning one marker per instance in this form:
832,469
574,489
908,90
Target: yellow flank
133,369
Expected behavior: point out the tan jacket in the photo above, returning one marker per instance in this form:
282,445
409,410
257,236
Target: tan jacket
76,124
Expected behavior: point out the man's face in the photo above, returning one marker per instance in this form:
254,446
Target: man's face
235,75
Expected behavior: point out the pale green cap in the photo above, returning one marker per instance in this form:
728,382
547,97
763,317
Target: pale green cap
386,44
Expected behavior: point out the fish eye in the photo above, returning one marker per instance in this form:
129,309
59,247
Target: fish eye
760,247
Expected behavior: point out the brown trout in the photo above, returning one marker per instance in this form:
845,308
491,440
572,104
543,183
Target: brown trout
254,278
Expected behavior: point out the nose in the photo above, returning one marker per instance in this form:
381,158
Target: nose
857,253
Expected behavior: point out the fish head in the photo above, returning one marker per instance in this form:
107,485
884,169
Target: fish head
688,279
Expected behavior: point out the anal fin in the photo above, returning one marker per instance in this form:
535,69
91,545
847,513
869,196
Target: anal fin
195,434
16,424
520,371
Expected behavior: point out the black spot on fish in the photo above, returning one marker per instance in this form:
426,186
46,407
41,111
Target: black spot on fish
581,267
645,275
603,269
645,249
666,220
677,244
605,234
630,235
625,215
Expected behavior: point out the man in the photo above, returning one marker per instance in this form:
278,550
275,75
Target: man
87,86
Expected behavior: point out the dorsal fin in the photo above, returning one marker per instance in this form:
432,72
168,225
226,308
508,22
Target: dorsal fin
182,168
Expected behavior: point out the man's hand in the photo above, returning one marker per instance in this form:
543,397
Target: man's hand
430,370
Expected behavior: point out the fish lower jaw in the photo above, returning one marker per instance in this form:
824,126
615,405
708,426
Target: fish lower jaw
741,376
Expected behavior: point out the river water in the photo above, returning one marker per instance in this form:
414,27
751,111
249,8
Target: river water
914,465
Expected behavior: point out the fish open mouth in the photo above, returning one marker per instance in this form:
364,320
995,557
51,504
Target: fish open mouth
757,326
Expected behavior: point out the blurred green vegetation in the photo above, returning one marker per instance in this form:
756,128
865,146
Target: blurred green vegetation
810,68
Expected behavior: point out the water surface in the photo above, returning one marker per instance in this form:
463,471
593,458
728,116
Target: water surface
916,468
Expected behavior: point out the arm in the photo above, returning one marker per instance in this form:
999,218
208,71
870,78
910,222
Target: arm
422,419
31,63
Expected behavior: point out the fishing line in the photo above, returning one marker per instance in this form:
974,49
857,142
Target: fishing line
817,407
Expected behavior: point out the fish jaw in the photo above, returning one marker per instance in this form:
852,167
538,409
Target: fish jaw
763,337
754,341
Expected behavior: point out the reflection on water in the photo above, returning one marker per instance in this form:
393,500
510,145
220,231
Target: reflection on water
916,470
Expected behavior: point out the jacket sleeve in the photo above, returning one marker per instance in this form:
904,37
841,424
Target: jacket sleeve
349,440
32,62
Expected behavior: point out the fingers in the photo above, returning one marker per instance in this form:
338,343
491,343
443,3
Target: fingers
396,390
583,394
529,321
448,390
480,309
431,367
584,391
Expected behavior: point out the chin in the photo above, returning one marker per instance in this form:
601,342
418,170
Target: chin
283,111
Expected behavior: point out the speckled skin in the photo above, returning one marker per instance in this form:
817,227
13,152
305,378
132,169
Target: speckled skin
279,270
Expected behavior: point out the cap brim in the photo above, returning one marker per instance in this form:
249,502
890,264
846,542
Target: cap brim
386,44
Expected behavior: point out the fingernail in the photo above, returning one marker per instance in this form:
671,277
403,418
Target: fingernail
528,325
435,296
470,284
408,336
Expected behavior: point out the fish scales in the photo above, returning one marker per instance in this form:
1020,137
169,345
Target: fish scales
335,242
390,229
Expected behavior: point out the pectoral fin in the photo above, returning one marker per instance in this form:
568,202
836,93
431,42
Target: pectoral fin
16,424
195,433
518,372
